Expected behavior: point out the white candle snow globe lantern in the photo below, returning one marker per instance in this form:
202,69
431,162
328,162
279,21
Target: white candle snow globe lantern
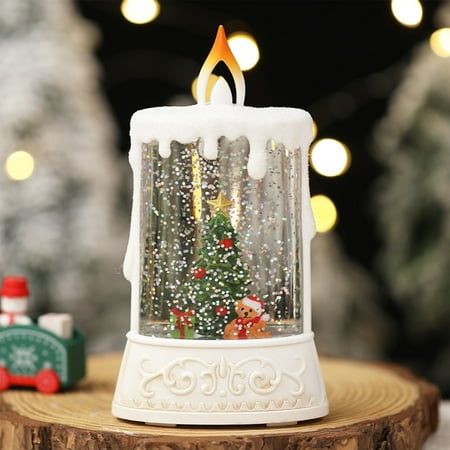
219,263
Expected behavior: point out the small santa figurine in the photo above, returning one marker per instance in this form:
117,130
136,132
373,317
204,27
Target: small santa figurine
14,301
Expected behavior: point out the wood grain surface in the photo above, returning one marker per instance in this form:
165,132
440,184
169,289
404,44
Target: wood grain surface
372,406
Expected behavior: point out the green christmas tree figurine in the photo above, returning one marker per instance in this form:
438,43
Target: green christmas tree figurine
219,277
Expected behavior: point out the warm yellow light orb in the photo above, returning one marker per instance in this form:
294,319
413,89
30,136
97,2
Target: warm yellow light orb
140,11
209,86
330,157
19,165
245,49
440,42
325,213
407,12
314,129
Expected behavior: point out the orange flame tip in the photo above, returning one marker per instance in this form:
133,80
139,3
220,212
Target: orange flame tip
220,51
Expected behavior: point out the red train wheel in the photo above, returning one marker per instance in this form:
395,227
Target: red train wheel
5,381
47,381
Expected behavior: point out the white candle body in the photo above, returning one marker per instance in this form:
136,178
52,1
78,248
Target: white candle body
288,126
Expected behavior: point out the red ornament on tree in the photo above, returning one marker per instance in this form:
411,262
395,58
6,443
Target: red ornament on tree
199,273
226,243
222,310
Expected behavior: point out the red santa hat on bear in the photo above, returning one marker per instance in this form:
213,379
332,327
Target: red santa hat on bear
254,302
257,304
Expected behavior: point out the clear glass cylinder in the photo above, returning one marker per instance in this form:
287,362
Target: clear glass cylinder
251,250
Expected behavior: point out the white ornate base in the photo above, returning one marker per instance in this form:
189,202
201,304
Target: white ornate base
256,381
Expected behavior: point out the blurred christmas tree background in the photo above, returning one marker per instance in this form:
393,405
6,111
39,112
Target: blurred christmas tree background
59,222
413,211
376,85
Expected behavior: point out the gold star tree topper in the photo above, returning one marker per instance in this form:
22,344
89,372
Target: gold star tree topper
221,203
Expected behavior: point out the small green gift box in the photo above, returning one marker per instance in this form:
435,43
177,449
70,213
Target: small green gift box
182,323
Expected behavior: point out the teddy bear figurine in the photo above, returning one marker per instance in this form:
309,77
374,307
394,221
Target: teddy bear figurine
251,320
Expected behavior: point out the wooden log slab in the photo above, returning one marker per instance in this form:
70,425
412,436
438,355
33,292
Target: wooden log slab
372,406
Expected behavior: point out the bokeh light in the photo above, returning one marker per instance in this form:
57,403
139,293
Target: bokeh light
245,49
140,11
330,157
19,165
209,87
408,12
314,130
440,42
324,212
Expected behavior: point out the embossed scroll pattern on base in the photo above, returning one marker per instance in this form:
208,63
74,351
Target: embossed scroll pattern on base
268,381
223,377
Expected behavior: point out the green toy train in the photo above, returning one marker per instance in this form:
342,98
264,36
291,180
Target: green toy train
35,357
